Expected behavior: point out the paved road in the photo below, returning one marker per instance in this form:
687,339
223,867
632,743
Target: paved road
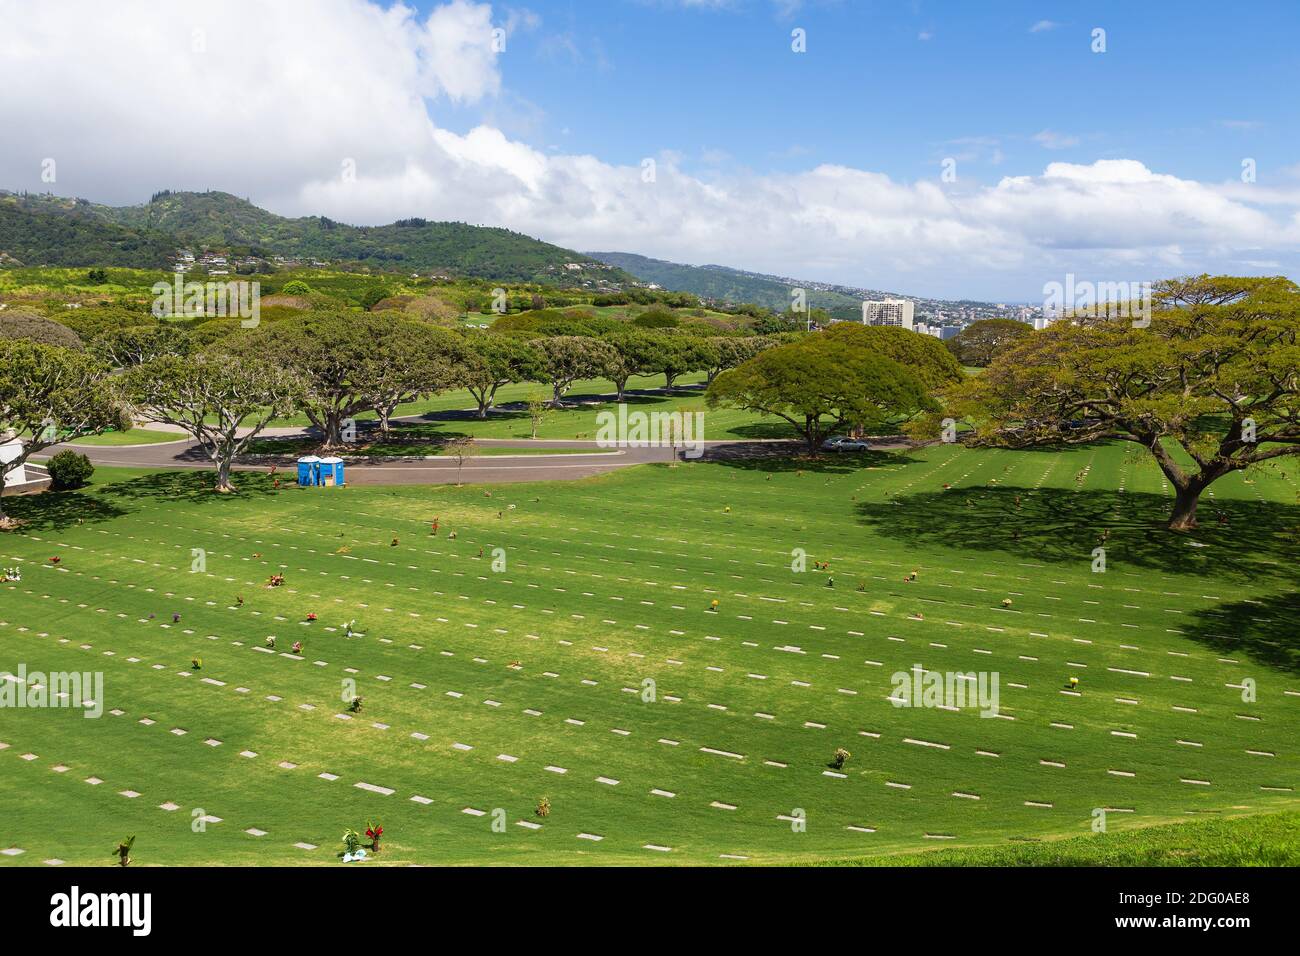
592,460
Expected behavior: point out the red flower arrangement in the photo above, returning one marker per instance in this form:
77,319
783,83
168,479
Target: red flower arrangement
55,560
374,832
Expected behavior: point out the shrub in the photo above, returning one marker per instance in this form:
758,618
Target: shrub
657,318
69,469
37,328
296,287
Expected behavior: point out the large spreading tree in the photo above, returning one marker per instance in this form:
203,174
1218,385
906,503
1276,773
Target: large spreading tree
728,351
354,362
823,384
923,356
48,395
1210,386
981,342
222,401
567,358
492,360
680,353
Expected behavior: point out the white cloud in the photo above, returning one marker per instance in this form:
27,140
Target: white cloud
1052,140
126,106
1042,26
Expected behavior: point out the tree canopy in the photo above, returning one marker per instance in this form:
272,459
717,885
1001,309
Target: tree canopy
822,384
222,401
1209,387
49,395
981,342
567,358
922,355
492,360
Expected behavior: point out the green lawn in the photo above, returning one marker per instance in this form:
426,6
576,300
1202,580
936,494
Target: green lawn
1270,839
451,412
407,439
136,436
590,670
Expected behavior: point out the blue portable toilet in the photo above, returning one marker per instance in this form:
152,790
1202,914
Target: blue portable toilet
308,471
331,472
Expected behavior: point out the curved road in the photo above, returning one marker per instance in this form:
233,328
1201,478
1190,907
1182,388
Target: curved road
493,469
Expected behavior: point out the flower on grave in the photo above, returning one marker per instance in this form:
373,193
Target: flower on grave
355,706
1006,602
374,831
270,641
297,647
348,628
544,807
351,842
727,510
841,755
311,616
176,618
55,560
123,851
196,662
713,605
394,544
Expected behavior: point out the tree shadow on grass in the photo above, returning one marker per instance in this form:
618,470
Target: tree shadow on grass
1063,527
57,510
196,487
792,456
1267,630
777,429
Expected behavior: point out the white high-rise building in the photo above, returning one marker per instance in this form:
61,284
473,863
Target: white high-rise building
888,312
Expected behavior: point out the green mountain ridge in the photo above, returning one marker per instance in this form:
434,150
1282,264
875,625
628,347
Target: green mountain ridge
49,230
727,284
68,232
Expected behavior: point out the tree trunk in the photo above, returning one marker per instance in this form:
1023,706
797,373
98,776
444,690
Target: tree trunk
384,413
1184,514
810,435
224,484
669,378
333,431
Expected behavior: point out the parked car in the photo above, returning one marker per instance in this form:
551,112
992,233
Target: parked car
843,443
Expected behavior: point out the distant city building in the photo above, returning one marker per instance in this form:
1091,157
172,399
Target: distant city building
888,312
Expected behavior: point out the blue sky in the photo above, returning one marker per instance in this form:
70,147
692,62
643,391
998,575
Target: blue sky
1188,88
690,130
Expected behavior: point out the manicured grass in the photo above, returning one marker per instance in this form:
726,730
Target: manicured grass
1269,839
451,413
136,436
592,650
407,439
